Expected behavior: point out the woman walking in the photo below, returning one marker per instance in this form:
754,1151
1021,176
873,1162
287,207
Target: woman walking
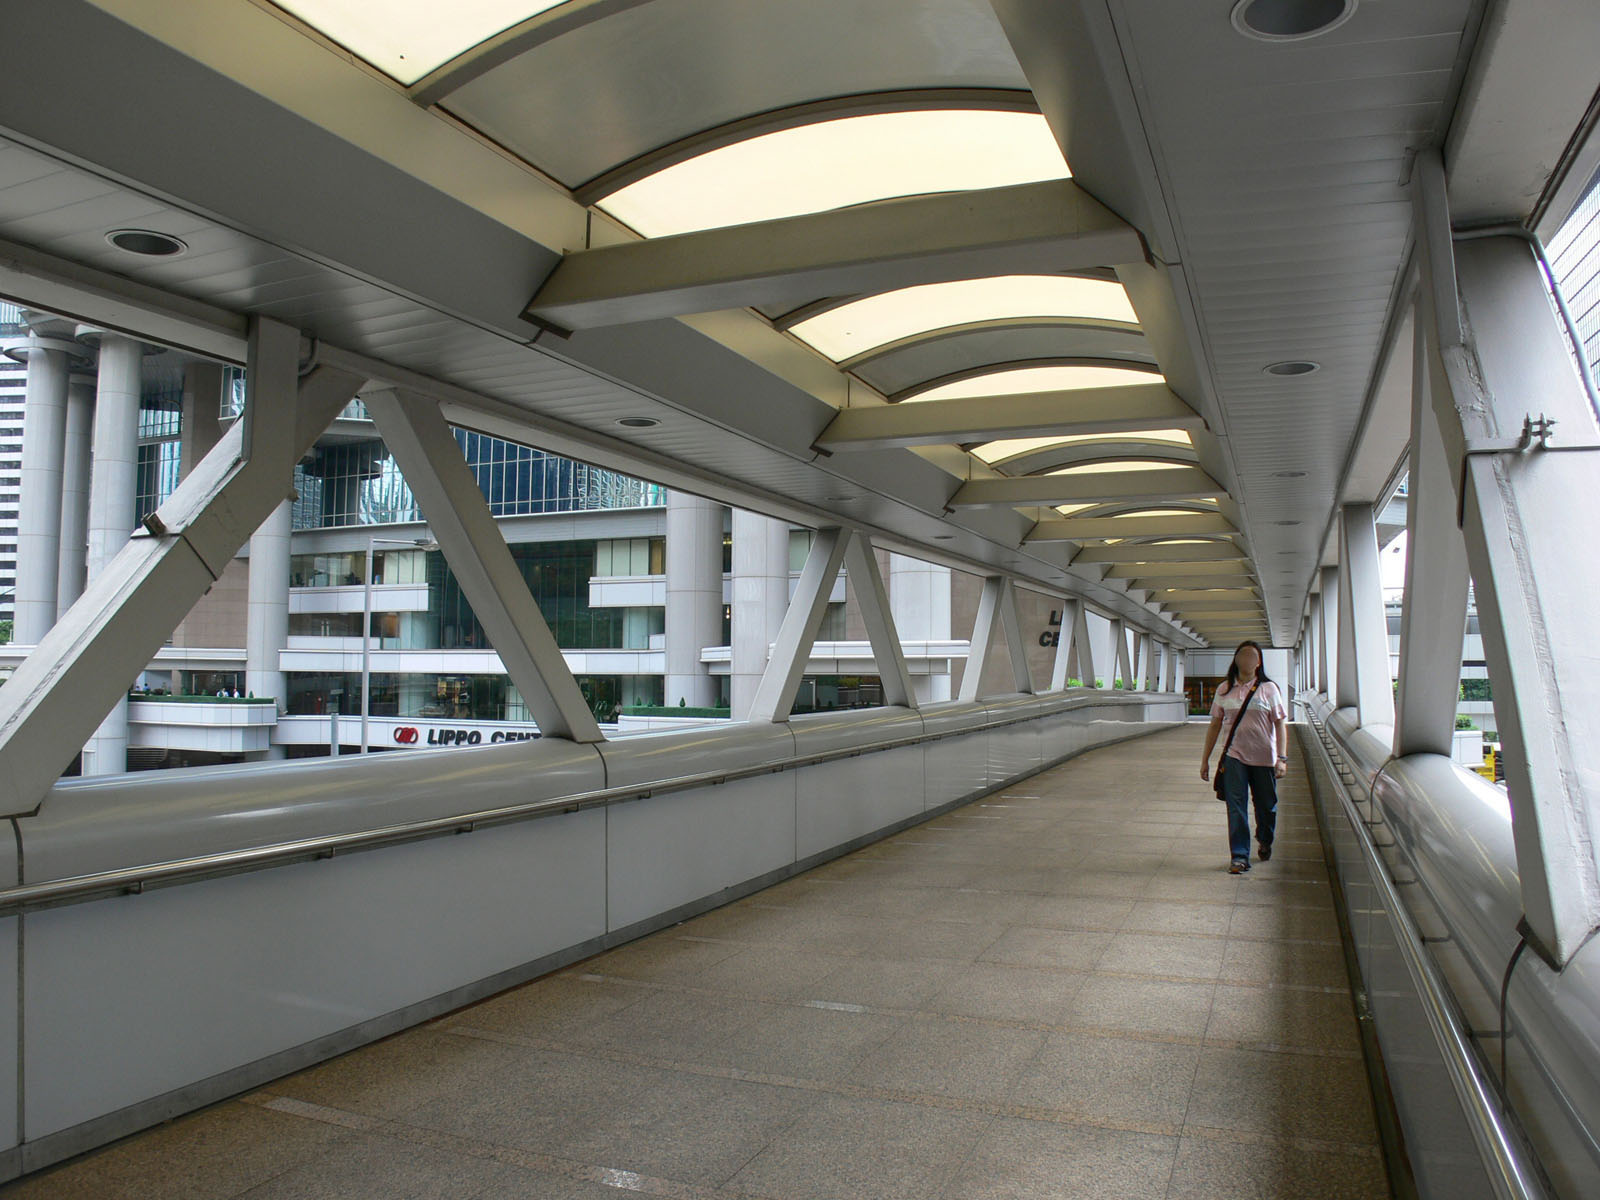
1255,755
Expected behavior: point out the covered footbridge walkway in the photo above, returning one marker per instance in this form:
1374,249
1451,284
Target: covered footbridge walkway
1055,990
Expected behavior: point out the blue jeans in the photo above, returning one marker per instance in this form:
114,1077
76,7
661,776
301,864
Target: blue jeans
1240,781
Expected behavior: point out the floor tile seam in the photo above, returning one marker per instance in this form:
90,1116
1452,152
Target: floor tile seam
485,1150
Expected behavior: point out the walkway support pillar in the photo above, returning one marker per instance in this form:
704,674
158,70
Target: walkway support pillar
83,666
430,458
1121,664
76,463
1328,634
694,596
1508,400
112,494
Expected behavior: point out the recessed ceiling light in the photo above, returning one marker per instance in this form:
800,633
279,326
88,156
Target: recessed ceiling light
944,537
146,242
1286,522
638,422
1291,368
1288,474
1290,20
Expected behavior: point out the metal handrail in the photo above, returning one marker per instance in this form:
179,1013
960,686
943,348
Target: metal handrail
78,889
1504,1159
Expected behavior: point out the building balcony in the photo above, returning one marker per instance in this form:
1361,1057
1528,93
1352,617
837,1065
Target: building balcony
386,598
202,723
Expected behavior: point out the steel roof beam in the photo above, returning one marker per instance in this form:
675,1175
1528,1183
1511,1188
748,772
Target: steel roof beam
1132,409
1181,571
1085,529
1159,553
1026,228
1145,487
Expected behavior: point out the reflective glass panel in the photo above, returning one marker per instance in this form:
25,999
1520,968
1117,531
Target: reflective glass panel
875,321
834,164
405,39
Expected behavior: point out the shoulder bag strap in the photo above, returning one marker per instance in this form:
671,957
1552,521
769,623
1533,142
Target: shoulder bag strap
1249,696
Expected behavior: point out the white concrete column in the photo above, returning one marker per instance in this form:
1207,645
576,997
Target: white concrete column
267,611
694,596
199,429
760,599
111,509
1328,645
39,519
75,468
919,600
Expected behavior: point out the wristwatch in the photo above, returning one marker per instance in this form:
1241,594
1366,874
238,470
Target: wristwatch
1283,758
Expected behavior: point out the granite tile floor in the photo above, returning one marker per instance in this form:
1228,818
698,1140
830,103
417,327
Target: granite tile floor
1058,991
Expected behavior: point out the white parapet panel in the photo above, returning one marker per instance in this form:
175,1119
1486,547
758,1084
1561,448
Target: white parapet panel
629,591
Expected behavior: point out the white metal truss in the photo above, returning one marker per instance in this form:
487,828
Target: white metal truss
861,568
1433,615
1508,400
1364,682
997,606
1066,639
774,698
452,503
83,666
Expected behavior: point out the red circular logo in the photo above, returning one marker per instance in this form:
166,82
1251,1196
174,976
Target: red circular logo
406,735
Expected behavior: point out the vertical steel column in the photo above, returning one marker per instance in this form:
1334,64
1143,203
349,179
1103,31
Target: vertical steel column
861,567
430,458
1433,618
774,699
267,610
1500,370
1364,681
1082,644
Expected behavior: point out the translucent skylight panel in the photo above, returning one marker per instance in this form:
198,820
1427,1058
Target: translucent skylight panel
834,164
405,39
875,321
1118,464
1035,379
992,452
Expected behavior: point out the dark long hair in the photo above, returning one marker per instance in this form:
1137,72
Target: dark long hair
1233,667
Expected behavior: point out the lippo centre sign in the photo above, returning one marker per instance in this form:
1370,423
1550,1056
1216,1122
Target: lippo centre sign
413,735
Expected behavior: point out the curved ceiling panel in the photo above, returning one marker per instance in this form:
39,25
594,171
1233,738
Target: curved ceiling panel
916,362
851,330
1022,380
1164,440
837,163
1126,455
609,92
405,39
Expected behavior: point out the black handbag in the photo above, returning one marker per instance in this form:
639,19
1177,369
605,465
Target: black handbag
1216,782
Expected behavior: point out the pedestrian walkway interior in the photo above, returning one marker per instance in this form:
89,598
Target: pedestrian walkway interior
1057,991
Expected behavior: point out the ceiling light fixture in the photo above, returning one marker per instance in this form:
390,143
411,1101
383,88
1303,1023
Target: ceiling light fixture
1290,20
1286,522
146,242
1291,368
1288,474
638,422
